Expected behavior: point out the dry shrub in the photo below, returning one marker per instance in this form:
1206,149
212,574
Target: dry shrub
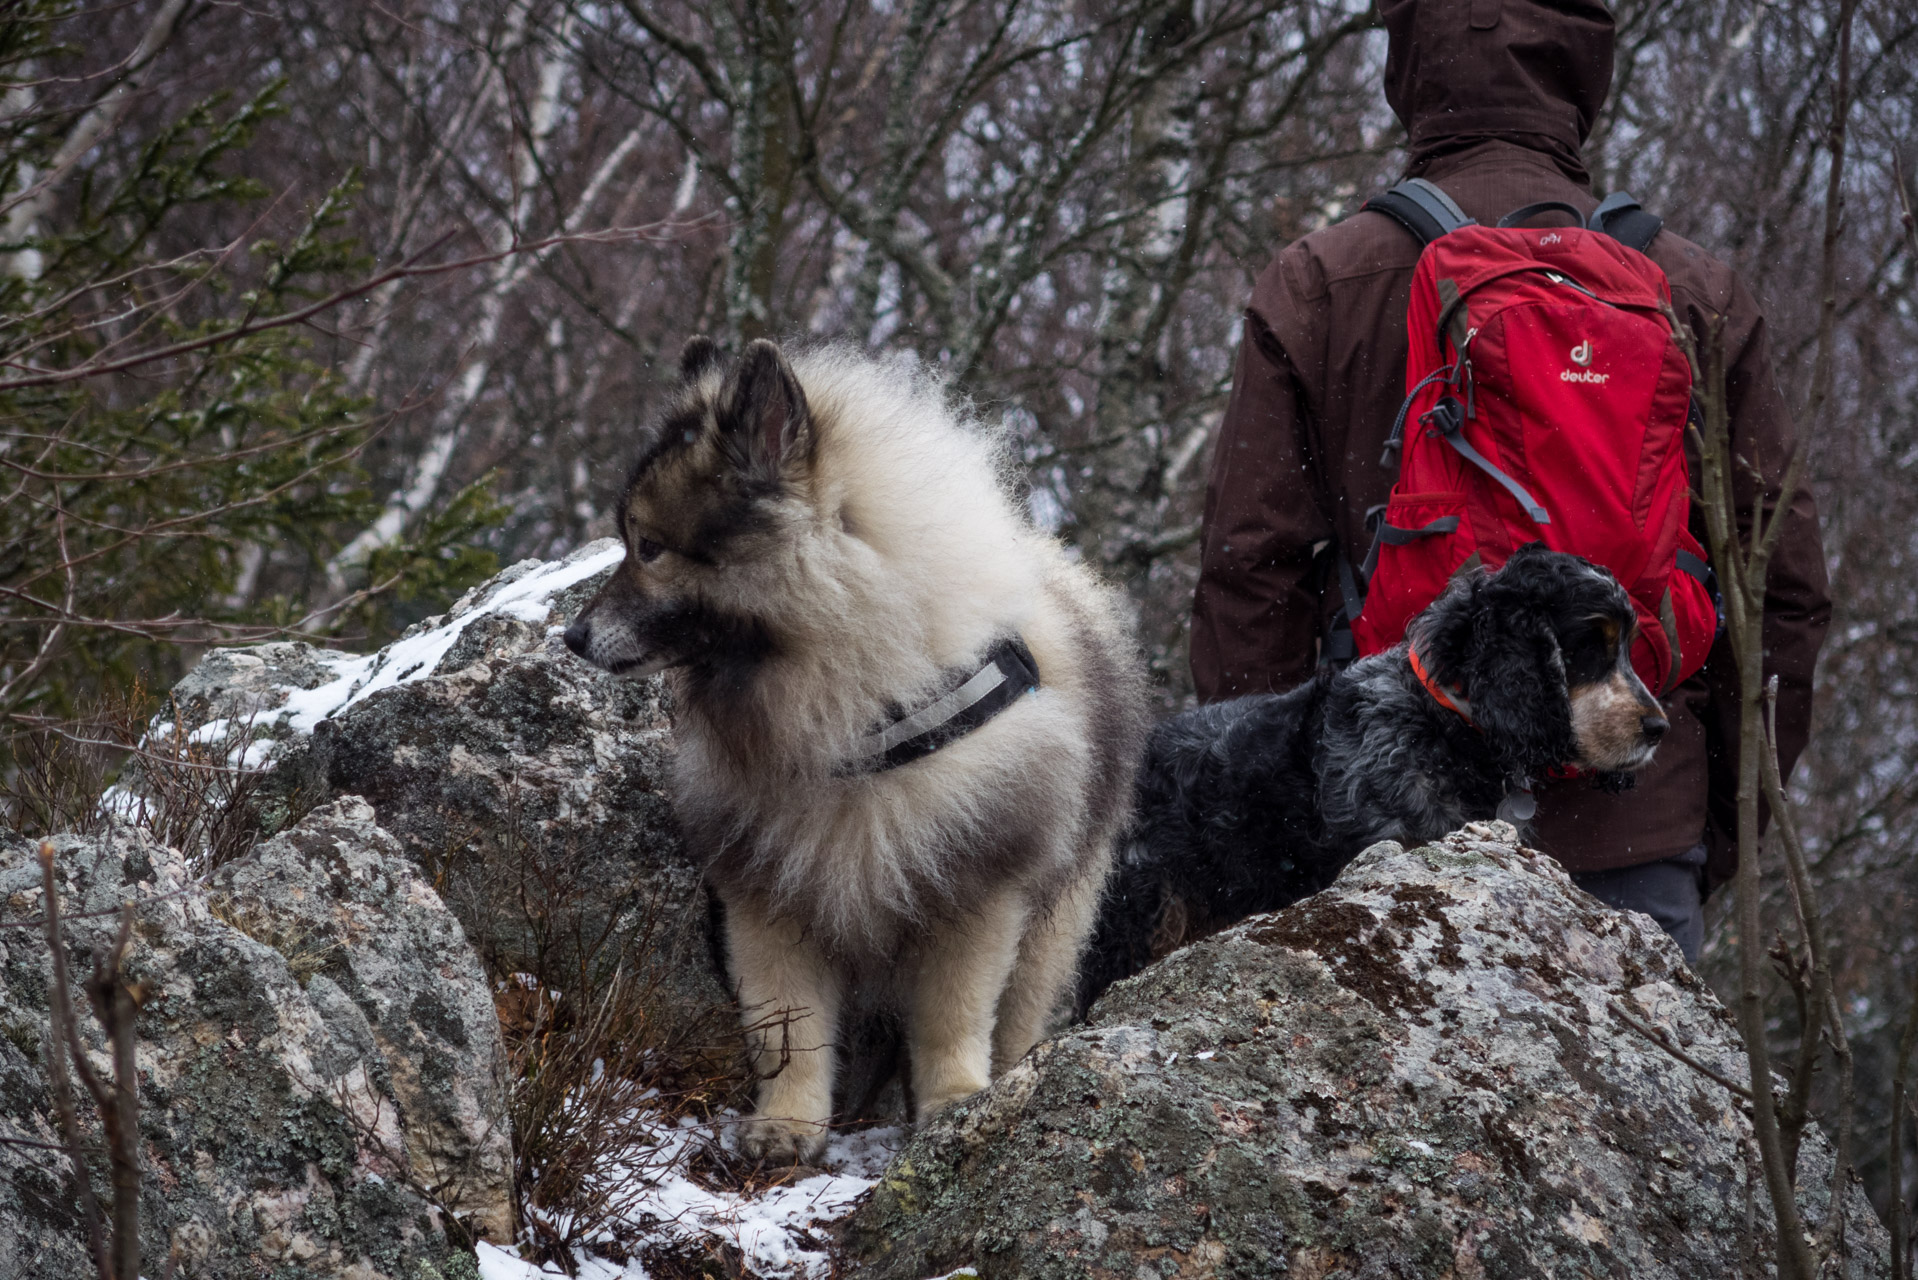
128,756
605,1054
306,953
55,770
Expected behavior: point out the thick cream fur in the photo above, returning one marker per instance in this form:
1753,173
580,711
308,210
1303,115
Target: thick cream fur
962,885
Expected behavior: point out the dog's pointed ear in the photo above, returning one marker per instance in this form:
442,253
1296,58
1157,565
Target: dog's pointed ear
698,355
765,409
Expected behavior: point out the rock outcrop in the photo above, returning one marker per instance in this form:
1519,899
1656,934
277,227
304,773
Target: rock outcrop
321,1073
525,780
1428,1070
1450,1064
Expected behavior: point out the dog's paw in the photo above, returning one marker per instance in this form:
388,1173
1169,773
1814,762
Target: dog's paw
782,1141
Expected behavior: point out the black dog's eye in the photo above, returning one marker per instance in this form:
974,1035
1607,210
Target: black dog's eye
647,550
1590,650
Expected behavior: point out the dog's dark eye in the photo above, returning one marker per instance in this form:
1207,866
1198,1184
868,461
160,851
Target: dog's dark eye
1590,650
647,550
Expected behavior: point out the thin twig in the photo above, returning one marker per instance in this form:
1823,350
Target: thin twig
1652,1033
1823,989
411,268
63,1147
1743,591
48,643
115,1010
61,1036
1900,1094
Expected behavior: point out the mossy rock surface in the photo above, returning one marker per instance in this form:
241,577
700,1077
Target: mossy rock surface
321,1074
1418,1073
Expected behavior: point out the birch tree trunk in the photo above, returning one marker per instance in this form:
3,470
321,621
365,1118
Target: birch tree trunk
430,466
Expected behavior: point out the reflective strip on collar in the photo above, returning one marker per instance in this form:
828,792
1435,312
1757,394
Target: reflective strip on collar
930,718
1008,672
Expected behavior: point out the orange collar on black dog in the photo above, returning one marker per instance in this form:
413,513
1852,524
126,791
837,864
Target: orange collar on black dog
1452,698
1519,804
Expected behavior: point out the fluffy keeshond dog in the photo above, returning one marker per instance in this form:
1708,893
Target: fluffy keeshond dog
907,724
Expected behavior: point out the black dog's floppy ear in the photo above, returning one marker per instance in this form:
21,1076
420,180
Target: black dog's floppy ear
1515,677
698,355
764,409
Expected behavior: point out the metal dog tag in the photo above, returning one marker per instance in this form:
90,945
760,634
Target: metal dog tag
1517,807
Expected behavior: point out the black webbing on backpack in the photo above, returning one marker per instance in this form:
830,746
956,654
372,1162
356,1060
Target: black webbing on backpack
1624,220
1421,208
1390,535
1526,211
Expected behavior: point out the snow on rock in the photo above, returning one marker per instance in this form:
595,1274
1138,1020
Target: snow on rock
289,687
497,758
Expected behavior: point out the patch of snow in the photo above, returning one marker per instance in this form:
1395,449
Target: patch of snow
496,1263
525,595
533,611
772,1229
118,802
257,755
777,1229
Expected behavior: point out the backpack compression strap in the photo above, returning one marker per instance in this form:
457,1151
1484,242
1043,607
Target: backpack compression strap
1421,208
1424,209
1624,220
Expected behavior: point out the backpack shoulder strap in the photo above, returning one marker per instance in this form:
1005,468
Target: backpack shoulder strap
1421,208
1623,219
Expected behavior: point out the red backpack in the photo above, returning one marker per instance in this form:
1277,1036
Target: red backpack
1545,401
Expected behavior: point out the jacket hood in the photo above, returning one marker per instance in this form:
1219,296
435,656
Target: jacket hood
1534,72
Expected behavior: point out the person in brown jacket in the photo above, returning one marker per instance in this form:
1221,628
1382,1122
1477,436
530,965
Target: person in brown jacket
1497,96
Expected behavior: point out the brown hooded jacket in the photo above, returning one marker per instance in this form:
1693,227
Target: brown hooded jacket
1497,97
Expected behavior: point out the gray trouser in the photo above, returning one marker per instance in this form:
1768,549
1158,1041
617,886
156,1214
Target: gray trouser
1671,892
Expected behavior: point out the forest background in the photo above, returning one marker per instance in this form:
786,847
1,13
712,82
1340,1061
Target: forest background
314,313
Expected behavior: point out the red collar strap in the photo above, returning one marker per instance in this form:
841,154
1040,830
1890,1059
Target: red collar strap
1519,804
1452,698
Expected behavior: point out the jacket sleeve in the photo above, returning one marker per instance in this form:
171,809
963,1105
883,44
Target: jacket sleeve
1256,615
1797,592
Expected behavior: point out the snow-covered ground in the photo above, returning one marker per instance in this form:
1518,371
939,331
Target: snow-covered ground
776,1230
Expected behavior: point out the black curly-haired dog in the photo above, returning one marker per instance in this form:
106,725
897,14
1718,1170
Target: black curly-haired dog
1250,805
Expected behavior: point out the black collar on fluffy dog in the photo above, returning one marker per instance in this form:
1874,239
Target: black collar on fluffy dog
968,698
1250,805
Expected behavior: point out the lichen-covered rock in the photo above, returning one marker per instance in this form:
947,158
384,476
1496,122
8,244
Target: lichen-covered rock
1421,1072
321,1072
529,783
